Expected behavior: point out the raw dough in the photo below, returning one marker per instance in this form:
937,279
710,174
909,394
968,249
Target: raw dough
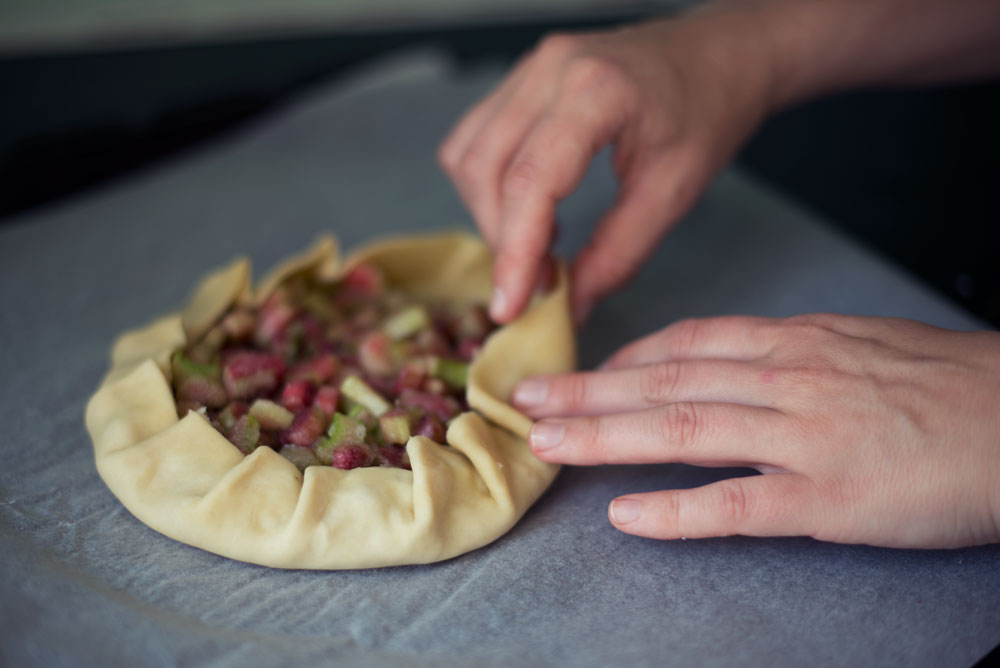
184,479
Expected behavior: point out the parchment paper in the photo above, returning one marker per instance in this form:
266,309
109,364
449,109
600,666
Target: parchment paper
84,583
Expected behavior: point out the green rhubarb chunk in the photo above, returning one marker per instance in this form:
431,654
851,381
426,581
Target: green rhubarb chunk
395,427
345,430
245,434
361,392
407,322
362,415
453,372
184,368
303,458
271,415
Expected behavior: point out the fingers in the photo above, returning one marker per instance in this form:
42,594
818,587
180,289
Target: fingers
732,337
482,143
711,434
546,168
635,388
781,504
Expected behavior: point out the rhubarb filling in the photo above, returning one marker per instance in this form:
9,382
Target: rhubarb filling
339,374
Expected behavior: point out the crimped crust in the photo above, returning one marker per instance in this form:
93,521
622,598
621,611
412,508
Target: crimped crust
185,480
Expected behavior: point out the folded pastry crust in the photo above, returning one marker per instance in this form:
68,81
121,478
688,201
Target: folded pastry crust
184,479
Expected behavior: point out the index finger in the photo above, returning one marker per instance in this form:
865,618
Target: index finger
548,166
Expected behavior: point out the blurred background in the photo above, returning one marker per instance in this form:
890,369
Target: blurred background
94,89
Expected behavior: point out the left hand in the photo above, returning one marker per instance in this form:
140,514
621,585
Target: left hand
867,430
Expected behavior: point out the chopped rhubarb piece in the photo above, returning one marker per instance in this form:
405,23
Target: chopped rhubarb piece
307,426
202,390
411,377
407,322
359,391
297,395
473,323
344,433
351,457
327,399
319,369
303,458
183,367
453,372
345,430
375,354
432,342
365,278
469,348
396,426
434,386
430,426
273,318
271,415
392,455
362,415
248,374
233,411
444,408
245,434
197,383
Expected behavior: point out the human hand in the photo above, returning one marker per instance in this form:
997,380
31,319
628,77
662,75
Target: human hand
675,98
867,430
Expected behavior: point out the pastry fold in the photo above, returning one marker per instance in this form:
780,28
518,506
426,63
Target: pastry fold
185,480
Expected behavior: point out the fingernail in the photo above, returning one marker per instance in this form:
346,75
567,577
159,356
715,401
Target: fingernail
624,511
547,434
531,392
498,304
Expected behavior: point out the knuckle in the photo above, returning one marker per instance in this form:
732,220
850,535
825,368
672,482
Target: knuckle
557,45
590,71
474,163
523,176
671,511
680,425
733,502
516,253
658,382
572,390
608,268
589,439
682,336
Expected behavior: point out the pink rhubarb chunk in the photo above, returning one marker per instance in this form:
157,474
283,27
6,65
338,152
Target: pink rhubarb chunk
444,408
248,374
308,425
297,395
351,457
327,398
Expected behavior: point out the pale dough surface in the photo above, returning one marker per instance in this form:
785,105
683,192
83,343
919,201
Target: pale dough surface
184,479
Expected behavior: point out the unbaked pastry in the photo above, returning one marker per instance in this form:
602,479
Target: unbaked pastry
183,478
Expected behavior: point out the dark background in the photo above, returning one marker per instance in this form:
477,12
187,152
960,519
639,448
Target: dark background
915,175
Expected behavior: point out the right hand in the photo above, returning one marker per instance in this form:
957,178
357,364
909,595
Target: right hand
674,97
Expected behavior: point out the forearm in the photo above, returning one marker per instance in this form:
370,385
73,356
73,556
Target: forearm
813,47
